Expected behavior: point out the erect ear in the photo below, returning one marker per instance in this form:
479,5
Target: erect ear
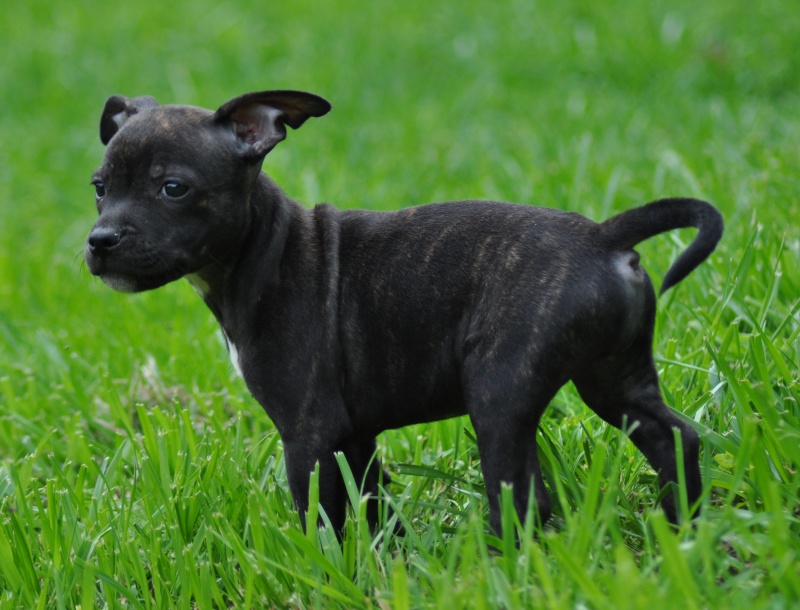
259,120
119,109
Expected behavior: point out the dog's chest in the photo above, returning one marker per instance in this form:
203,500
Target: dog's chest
234,354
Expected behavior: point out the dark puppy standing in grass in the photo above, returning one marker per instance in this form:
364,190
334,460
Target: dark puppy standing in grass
348,323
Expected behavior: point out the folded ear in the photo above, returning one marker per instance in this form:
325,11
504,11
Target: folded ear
259,120
119,109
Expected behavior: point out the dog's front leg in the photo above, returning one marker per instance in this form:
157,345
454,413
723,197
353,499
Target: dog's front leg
364,464
366,468
301,457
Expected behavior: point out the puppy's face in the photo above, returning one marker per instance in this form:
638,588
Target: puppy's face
171,194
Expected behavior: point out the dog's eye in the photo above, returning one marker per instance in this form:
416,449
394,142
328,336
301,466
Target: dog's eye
99,189
174,190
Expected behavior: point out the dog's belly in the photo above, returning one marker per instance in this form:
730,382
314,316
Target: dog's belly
388,388
388,413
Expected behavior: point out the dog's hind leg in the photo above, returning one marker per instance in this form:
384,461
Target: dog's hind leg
505,414
623,390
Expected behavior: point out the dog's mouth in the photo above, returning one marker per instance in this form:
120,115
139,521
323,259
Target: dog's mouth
145,273
126,282
128,261
120,282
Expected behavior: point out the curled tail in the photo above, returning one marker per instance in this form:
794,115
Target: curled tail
633,226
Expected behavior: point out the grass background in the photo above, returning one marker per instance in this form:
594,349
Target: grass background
135,470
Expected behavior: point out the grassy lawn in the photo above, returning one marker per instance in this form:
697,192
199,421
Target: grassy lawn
137,472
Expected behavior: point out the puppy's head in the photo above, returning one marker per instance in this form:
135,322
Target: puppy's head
173,190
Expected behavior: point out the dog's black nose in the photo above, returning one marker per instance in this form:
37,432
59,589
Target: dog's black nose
102,239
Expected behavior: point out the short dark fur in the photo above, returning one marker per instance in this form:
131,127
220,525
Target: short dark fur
348,323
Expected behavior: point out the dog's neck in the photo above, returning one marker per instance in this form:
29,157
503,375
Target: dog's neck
253,268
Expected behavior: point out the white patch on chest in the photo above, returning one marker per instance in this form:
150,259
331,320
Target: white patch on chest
198,283
234,354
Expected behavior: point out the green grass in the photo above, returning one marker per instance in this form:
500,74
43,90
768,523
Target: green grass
136,471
